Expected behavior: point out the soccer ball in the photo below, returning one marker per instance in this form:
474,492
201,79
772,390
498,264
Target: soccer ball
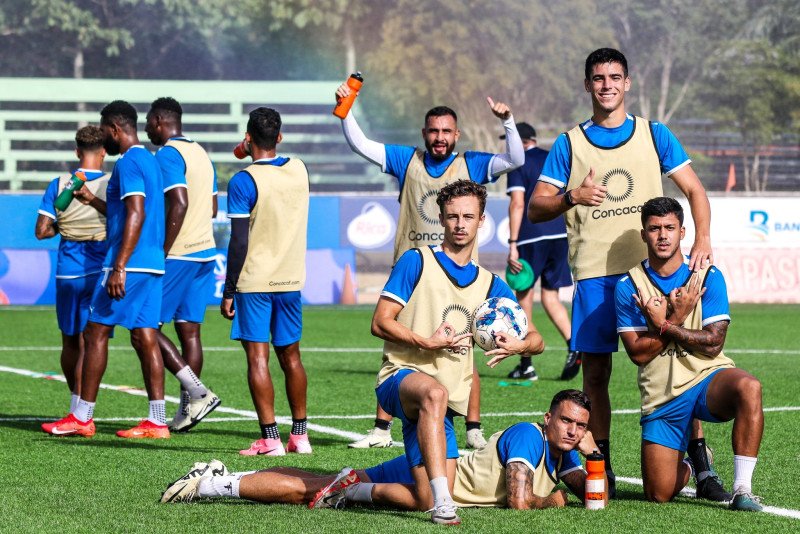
498,314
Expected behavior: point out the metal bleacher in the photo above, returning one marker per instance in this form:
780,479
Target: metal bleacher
39,117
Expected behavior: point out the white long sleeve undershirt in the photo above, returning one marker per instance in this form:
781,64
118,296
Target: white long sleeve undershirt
375,152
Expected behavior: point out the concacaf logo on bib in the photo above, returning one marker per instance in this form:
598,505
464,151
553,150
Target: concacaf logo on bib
428,208
619,183
458,316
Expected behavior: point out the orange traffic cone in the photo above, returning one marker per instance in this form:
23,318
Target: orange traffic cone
348,287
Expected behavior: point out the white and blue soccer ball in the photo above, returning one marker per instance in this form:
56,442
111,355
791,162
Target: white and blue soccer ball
498,314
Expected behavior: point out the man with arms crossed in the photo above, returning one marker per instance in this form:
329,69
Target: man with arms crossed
420,175
129,293
268,208
519,470
673,323
82,227
609,166
190,188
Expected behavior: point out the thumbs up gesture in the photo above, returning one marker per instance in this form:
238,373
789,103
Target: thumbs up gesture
589,193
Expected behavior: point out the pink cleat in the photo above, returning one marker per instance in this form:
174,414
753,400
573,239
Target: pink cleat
265,447
299,444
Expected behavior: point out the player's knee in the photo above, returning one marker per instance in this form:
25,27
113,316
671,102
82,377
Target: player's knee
749,389
654,493
436,396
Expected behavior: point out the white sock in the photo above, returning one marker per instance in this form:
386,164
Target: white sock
359,492
743,467
688,463
73,403
158,413
239,474
218,487
441,491
191,383
84,411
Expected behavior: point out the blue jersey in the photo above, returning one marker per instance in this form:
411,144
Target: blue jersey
242,192
558,166
523,443
173,174
75,258
136,173
406,272
399,156
714,300
524,179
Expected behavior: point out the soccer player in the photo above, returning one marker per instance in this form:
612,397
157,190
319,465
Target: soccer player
544,246
423,316
520,470
673,322
129,293
420,175
190,188
82,227
609,166
268,208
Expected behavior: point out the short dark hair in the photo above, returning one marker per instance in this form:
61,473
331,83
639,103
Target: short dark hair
605,55
264,126
121,113
89,138
661,207
441,111
461,188
573,395
167,105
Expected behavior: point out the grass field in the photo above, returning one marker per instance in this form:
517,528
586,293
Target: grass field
106,484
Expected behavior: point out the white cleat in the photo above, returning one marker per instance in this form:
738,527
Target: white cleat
376,438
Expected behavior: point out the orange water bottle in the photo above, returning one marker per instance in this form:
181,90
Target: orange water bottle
242,150
64,199
343,105
595,496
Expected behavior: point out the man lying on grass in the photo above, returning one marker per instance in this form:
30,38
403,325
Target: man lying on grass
519,469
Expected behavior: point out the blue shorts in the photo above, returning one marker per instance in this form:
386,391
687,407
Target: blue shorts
187,288
139,308
548,258
261,315
389,398
73,297
392,472
594,317
670,425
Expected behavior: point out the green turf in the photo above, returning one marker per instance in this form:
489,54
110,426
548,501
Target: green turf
108,484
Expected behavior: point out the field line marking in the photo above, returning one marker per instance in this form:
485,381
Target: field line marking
237,348
250,415
690,492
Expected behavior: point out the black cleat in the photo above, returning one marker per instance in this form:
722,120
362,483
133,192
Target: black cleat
573,365
710,489
528,373
612,484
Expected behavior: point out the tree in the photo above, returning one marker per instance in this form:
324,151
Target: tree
755,87
667,43
459,52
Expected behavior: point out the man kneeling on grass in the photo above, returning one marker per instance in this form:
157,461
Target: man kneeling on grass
519,469
673,323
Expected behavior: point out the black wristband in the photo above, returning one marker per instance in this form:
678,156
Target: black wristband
512,241
568,199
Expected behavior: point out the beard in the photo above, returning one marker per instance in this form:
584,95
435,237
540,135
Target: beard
112,146
437,156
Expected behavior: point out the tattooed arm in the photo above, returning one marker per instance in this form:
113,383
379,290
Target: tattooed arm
708,341
519,484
